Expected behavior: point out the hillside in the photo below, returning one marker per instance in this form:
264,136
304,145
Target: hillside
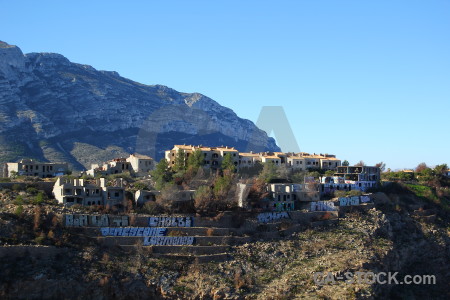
54,110
42,259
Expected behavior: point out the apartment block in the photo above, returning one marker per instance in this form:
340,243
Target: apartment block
79,191
212,156
29,167
135,164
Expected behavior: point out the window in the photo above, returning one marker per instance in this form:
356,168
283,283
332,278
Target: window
234,154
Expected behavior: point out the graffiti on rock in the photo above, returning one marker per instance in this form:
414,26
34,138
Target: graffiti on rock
169,241
133,231
170,222
322,206
272,216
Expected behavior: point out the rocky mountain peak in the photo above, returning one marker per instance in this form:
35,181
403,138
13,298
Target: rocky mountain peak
55,110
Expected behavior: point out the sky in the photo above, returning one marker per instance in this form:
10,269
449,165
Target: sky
365,80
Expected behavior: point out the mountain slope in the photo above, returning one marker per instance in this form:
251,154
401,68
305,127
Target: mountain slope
55,110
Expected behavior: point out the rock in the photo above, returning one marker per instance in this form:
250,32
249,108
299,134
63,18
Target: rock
59,110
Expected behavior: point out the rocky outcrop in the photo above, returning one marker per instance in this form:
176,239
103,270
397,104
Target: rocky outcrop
53,109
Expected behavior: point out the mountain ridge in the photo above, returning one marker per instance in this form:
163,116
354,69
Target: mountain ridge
53,109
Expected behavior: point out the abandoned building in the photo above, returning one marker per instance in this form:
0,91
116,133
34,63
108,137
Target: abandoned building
135,164
349,178
280,196
79,191
29,167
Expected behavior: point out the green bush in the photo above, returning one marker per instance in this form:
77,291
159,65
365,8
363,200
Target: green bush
17,187
354,193
39,199
32,191
19,210
18,200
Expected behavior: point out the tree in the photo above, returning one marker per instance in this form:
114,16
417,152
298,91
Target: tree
360,164
167,198
381,165
180,161
345,163
13,174
268,172
329,173
441,169
195,160
203,198
227,163
222,185
161,174
421,167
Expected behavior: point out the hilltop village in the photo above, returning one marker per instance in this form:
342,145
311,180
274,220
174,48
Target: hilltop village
219,178
216,223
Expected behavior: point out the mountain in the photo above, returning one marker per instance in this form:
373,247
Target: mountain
54,110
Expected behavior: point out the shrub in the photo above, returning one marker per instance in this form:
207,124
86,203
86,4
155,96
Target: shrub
17,187
32,191
152,208
40,239
340,194
203,198
18,200
39,199
19,210
354,193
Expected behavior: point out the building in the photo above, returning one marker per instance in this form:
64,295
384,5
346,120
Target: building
141,164
296,162
280,196
247,160
79,191
358,177
29,167
135,164
212,156
144,196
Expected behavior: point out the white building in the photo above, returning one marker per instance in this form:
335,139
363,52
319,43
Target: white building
79,191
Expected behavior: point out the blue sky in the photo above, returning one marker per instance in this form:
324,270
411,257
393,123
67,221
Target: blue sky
365,80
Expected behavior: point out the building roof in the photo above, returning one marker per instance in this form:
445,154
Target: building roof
248,154
141,156
330,158
271,156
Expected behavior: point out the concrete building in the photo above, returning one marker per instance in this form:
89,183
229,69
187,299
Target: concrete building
29,167
78,191
356,177
141,164
135,164
247,160
144,196
280,196
296,162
